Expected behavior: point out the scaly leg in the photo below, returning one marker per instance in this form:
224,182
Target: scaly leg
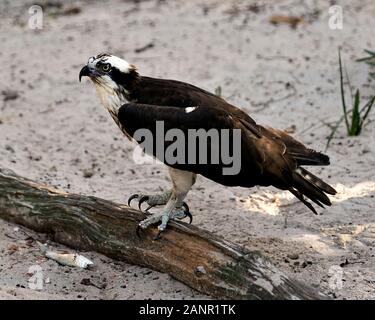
182,182
151,199
159,199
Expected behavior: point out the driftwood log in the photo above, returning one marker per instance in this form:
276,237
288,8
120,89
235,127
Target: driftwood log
193,256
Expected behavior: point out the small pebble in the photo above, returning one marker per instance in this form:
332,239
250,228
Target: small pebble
10,95
293,256
9,148
88,173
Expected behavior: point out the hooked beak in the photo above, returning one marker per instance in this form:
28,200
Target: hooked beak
85,72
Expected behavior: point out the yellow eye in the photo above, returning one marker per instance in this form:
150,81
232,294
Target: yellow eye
106,67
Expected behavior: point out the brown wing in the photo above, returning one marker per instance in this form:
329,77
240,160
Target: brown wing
162,92
134,116
303,155
284,157
268,156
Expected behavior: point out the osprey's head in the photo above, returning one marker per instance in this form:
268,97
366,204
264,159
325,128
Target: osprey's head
109,70
113,77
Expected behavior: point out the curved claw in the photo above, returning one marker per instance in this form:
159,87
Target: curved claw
141,200
188,214
184,204
132,197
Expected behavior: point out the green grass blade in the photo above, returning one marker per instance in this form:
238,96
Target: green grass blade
343,93
364,59
355,128
372,56
371,53
364,108
369,106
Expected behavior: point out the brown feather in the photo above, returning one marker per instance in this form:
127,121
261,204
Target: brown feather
268,156
303,155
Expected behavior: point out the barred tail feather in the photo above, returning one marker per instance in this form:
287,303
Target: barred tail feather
308,185
317,181
308,157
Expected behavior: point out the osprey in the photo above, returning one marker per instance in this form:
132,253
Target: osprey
268,157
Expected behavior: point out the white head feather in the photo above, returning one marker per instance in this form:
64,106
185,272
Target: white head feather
114,61
107,89
118,63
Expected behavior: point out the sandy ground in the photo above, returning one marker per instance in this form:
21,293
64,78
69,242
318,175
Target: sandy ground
55,131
